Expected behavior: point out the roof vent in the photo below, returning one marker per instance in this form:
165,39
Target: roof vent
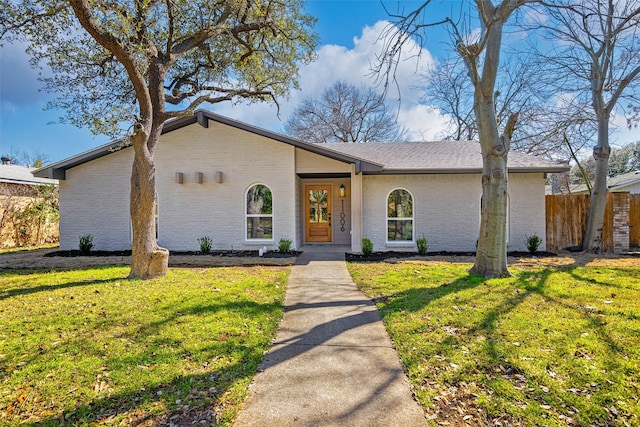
6,160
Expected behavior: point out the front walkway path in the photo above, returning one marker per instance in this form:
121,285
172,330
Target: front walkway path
332,363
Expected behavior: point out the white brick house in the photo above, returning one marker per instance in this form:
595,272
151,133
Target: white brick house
247,187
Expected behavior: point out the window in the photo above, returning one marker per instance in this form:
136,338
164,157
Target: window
259,213
400,216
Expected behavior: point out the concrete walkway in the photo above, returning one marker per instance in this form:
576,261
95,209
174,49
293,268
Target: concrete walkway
332,363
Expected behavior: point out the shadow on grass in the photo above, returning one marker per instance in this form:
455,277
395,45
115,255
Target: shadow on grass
20,289
488,325
189,397
186,400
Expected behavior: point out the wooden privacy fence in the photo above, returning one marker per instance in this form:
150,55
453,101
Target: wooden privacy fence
567,218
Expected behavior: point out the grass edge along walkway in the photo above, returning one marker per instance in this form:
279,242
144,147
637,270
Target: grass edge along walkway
88,346
551,346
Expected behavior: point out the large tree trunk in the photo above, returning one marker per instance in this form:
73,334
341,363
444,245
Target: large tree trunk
491,253
592,239
148,260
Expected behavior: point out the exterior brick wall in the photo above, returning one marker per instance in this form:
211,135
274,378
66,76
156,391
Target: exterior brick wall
189,210
526,210
447,210
94,199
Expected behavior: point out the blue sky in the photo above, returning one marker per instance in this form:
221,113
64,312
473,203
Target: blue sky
349,31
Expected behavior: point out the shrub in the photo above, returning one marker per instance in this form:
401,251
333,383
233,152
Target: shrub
533,242
423,245
284,246
86,244
367,246
205,244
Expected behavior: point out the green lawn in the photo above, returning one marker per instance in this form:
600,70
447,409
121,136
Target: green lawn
551,346
88,347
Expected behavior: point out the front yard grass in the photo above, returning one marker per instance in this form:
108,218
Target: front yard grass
550,346
89,347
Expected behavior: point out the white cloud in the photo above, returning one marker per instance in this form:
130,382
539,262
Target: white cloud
619,133
425,123
353,65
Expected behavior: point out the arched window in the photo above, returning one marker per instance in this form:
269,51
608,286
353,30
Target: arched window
259,213
400,216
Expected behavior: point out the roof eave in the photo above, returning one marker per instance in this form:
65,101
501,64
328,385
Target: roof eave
451,171
58,170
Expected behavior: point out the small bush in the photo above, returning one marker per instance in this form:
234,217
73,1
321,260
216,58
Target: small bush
284,246
423,245
367,246
86,244
533,242
205,244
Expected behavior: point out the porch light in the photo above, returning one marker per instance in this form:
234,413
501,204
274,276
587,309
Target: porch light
342,190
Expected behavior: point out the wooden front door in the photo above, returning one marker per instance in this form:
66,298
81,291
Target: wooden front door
318,213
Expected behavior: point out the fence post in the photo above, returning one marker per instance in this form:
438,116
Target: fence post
621,207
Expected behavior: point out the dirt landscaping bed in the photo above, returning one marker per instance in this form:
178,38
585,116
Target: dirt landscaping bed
54,258
521,260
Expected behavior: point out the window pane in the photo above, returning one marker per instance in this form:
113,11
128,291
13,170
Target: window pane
399,230
259,200
400,204
318,206
259,227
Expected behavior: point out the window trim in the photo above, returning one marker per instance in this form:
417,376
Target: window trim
412,219
248,215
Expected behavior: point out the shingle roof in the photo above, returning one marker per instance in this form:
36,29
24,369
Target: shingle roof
369,158
439,156
614,183
16,174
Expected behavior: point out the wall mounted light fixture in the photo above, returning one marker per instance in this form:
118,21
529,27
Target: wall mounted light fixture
179,177
199,177
219,177
343,191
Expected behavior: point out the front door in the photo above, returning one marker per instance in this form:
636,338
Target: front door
318,213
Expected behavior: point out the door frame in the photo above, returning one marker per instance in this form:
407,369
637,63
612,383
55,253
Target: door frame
329,188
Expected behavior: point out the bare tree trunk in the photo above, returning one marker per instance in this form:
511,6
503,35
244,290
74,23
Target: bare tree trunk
148,260
491,253
592,239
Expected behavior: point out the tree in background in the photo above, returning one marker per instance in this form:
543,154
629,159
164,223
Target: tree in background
480,54
116,64
345,113
33,158
621,160
593,54
543,121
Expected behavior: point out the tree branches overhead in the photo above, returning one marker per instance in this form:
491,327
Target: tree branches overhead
206,50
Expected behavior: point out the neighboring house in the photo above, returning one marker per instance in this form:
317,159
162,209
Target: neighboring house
25,217
248,187
17,180
626,182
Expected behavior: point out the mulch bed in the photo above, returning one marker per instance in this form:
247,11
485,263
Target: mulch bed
237,254
380,256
